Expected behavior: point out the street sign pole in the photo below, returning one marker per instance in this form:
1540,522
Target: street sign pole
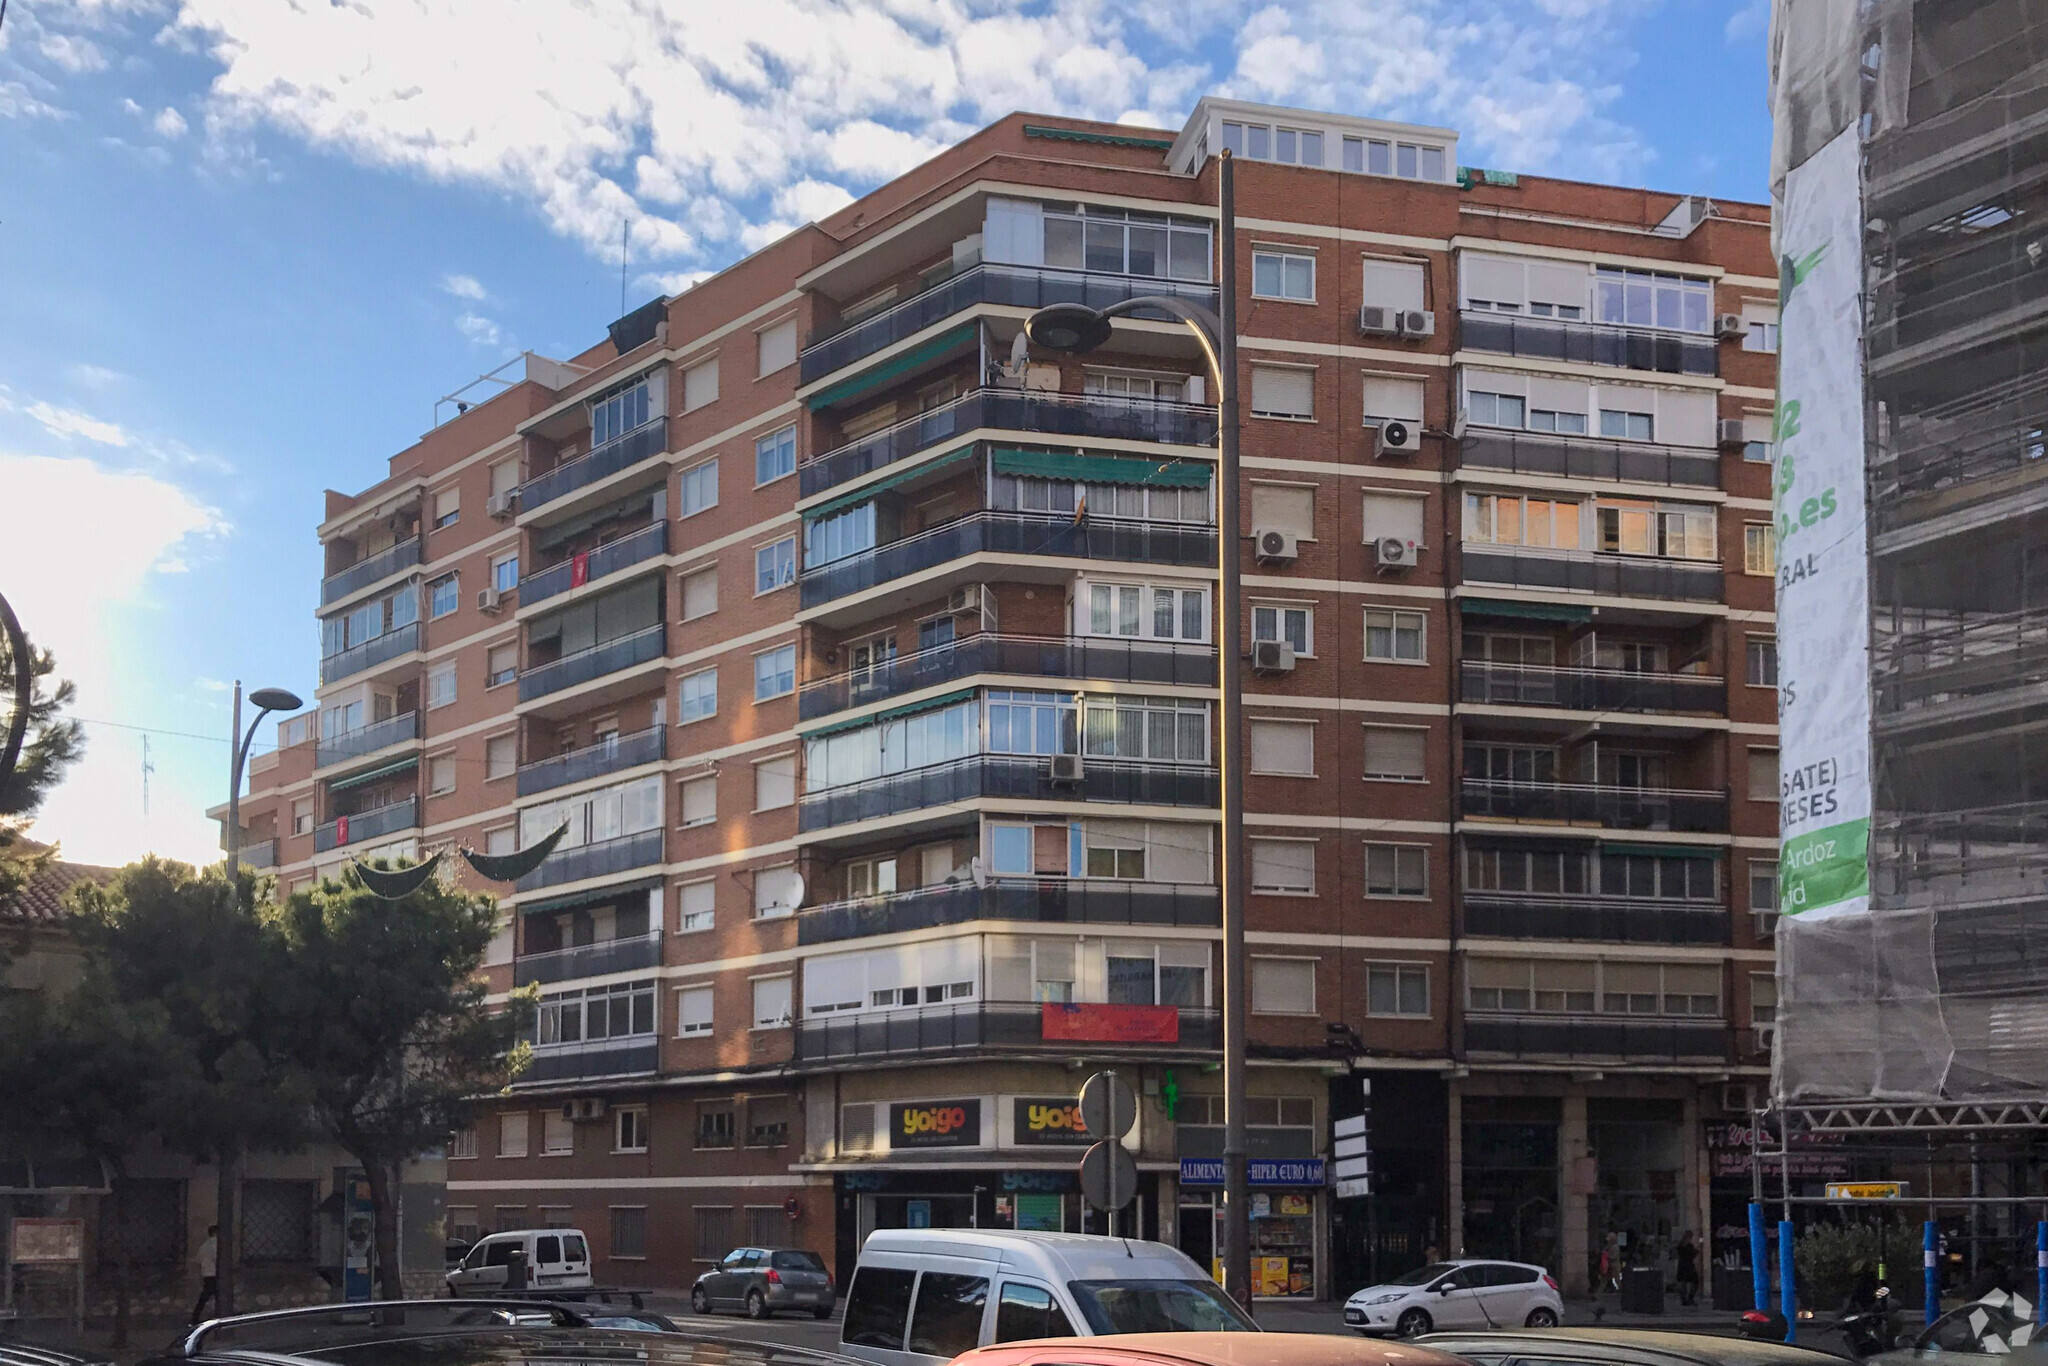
1109,1177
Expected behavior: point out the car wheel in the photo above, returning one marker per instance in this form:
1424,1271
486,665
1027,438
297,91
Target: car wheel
1413,1323
757,1308
1542,1316
699,1301
823,1311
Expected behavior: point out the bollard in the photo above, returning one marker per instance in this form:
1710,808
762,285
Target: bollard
1930,1261
2041,1273
1760,1258
1788,1295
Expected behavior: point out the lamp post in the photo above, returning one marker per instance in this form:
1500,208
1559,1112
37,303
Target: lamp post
1078,328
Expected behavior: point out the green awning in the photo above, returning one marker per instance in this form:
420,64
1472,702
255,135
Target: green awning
861,495
1533,611
1039,130
371,775
570,903
908,709
1660,850
938,347
1104,469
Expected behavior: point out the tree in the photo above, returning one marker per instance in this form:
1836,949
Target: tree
389,1022
45,747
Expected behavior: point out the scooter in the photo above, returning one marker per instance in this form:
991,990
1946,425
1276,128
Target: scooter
1866,1331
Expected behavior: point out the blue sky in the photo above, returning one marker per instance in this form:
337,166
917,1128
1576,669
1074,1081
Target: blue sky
245,244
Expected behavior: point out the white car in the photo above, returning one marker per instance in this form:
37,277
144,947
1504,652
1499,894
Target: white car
1461,1294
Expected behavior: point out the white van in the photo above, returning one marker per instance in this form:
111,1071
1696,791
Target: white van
920,1297
555,1258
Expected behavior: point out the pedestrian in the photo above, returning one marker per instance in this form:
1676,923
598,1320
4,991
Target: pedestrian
209,1282
1431,1255
1688,1271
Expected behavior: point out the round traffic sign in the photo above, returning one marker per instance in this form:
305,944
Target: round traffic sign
1108,1105
1109,1178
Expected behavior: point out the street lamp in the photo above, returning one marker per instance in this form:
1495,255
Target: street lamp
1077,328
267,701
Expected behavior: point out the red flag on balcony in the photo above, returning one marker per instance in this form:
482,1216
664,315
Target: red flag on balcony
1094,1023
341,830
579,569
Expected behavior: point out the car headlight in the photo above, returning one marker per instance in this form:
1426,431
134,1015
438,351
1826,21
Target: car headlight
1383,1299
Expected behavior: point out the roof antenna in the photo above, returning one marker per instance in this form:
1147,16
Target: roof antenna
622,265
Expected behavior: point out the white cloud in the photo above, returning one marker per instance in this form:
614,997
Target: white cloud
807,201
68,422
464,287
480,331
1751,20
169,123
71,53
93,376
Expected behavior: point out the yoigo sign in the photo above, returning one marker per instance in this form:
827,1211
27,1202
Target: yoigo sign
935,1124
1054,1121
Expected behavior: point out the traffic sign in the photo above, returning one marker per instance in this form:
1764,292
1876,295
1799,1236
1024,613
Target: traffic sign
1866,1190
1354,1127
1350,1147
1109,1107
1109,1178
1347,1189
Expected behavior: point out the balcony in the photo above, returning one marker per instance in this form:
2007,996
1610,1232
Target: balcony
1610,920
353,744
1528,685
598,1058
1111,660
1018,776
993,1026
1078,415
1585,343
372,652
1014,286
601,462
625,652
366,825
631,549
600,859
260,854
1589,457
1610,575
1622,808
363,573
594,761
1649,1040
1050,901
1012,533
588,960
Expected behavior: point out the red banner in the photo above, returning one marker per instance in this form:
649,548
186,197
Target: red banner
341,830
1112,1024
579,569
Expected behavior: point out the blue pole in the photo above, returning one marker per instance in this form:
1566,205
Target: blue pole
1788,1295
2041,1273
1760,1257
1930,1260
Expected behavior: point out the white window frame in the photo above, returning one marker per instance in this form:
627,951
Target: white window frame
773,759
1422,636
771,440
1251,863
1284,256
449,672
683,591
683,509
683,718
1400,968
767,547
710,916
434,760
1309,416
453,578
1280,608
1301,723
1396,846
618,1121
759,656
788,1020
762,369
1252,994
498,563
683,822
686,1030
1418,779
513,736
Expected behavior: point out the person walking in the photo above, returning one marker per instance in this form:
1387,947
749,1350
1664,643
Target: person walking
209,1266
1688,1271
1606,1265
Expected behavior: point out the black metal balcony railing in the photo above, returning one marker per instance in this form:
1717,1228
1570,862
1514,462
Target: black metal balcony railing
1598,1038
1013,533
644,442
588,960
1100,416
613,655
1023,776
1589,457
1016,286
630,549
350,744
1612,920
365,572
601,859
260,854
367,825
598,1058
372,652
1116,661
1529,685
1670,353
1625,576
1624,808
1051,901
594,761
994,1025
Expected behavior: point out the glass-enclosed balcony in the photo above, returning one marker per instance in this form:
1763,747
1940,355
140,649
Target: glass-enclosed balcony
990,1026
372,652
367,571
1048,901
367,825
1696,811
1022,776
1607,919
631,1056
352,744
1530,685
1097,657
1589,457
1589,343
1609,575
633,548
610,657
644,442
599,859
612,755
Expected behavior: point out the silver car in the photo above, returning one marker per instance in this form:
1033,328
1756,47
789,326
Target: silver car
762,1280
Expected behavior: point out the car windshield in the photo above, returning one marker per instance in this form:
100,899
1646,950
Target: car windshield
1423,1275
1158,1307
798,1261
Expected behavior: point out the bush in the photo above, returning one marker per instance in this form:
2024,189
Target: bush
1825,1257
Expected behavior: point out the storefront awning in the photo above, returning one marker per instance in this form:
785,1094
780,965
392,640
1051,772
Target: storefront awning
410,761
908,709
959,339
1104,469
1531,611
862,495
596,898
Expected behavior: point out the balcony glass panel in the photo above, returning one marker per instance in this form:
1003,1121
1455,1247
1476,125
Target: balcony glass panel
1589,457
261,854
363,573
594,761
366,739
596,860
588,960
1614,920
1604,1038
1118,661
993,1026
1053,901
1670,353
1006,775
622,452
602,1058
1528,685
631,549
366,825
1624,808
372,652
1626,576
596,662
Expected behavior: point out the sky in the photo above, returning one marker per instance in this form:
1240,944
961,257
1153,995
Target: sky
246,244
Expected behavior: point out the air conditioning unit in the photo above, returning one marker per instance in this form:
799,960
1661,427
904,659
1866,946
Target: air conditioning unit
1275,546
503,503
1731,432
1416,323
1391,552
1272,657
1765,1036
1730,325
965,599
489,600
1066,768
583,1109
1377,321
1397,435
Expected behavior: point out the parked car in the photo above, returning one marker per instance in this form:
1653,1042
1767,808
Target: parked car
920,1297
1209,1349
556,1258
763,1280
1469,1293
1620,1347
1968,1335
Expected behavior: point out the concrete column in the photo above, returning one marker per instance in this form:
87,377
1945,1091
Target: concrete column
1575,1181
1454,1176
1694,1180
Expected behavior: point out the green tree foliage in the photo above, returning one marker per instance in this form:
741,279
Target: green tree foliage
50,746
1826,1256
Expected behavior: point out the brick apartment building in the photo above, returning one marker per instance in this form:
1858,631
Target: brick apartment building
795,596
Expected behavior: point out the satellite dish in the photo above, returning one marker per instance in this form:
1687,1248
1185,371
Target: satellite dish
1020,352
796,890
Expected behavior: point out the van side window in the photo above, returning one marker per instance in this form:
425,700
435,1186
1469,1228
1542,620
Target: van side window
1026,1312
948,1317
476,1256
573,1249
547,1251
878,1307
500,1254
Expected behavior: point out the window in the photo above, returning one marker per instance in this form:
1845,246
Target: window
1763,999
1111,850
827,539
302,815
775,783
1645,298
444,595
505,573
504,476
1666,877
777,346
1397,989
1763,661
447,507
1511,519
697,489
771,1002
700,384
501,664
512,1134
698,696
775,673
1161,729
1396,869
767,1127
1628,426
775,891
1395,754
699,802
1144,610
1759,446
440,774
502,839
462,1143
1287,507
1087,237
693,1004
1136,384
1510,763
618,1011
1284,747
1283,391
700,593
1394,636
1490,409
1295,625
624,409
1667,531
878,1307
1763,775
713,1231
695,905
501,755
774,455
1027,1313
557,1134
1389,398
440,685
775,565
1763,895
1761,336
1395,284
629,1232
1283,275
1759,549
1283,986
1285,866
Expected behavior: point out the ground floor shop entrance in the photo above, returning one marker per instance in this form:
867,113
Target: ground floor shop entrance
1046,1200
1289,1204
